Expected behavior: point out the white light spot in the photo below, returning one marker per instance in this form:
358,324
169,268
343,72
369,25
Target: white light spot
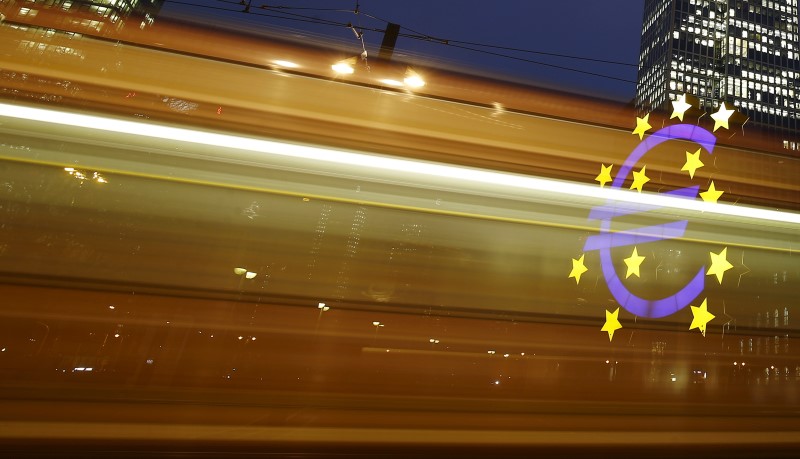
390,82
286,64
413,80
343,68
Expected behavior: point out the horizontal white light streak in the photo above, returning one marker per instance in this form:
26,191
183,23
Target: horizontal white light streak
412,167
286,64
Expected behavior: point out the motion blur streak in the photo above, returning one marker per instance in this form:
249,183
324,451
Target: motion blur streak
388,164
203,252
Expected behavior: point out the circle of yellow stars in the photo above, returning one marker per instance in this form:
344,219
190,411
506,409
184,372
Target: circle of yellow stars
719,261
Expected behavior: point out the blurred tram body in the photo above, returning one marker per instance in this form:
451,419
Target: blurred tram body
162,294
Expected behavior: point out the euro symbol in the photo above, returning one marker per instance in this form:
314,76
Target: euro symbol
604,241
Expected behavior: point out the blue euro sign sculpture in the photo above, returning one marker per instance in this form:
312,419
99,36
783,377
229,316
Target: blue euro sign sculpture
604,241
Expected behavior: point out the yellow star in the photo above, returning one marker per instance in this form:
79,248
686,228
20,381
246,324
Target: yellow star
605,175
639,179
612,323
701,317
721,117
577,269
642,125
692,163
633,262
712,194
719,264
679,107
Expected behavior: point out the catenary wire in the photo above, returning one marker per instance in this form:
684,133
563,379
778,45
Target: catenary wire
465,45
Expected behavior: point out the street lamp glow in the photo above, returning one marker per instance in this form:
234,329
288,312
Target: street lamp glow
413,80
345,66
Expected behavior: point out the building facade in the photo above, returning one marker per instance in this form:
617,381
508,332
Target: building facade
83,16
745,53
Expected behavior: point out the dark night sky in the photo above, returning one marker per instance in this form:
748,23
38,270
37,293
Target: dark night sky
604,30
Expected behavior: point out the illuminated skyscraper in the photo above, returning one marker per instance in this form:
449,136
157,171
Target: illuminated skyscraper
746,53
55,30
82,16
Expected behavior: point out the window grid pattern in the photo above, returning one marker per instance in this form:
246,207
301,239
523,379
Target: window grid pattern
744,52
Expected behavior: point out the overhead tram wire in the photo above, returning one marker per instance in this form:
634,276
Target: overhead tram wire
461,45
446,41
285,15
298,18
531,61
